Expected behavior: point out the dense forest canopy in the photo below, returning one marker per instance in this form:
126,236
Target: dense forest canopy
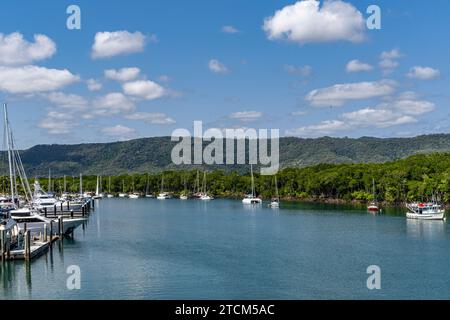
153,154
417,177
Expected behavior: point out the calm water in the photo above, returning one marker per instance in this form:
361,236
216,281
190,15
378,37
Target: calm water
150,249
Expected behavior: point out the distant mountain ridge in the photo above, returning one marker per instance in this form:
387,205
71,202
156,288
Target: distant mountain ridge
154,154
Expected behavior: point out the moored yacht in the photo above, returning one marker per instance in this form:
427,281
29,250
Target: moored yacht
425,211
251,198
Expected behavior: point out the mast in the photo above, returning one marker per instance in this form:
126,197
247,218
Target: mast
123,186
162,184
64,183
8,143
97,188
146,186
204,183
49,181
109,184
253,181
81,184
276,188
373,189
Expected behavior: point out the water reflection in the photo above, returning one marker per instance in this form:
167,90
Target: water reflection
425,229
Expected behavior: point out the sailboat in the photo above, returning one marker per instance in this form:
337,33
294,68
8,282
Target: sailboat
184,195
373,206
197,192
205,195
251,198
275,203
148,195
123,194
163,195
133,195
109,195
28,215
98,194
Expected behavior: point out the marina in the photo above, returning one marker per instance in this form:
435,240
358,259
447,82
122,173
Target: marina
150,249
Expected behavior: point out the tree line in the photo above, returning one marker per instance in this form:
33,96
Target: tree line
416,178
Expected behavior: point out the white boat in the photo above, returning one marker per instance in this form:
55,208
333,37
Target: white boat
183,197
275,203
425,211
163,195
251,198
204,195
122,195
109,195
149,196
133,195
373,206
98,193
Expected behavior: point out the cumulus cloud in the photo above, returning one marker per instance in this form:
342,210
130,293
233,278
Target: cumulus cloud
112,103
303,71
32,79
216,66
120,131
15,50
70,101
109,44
144,89
388,60
402,110
423,73
307,21
338,94
151,117
358,66
122,75
246,116
229,29
94,85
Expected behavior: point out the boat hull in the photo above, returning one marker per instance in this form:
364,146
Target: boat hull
426,216
251,201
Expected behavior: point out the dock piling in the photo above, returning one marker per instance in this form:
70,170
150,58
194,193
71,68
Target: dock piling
45,233
27,245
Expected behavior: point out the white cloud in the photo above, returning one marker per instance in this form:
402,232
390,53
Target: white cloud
399,111
122,75
381,118
58,122
423,73
305,21
388,60
217,67
358,66
32,79
119,131
246,116
144,89
15,50
109,44
338,94
299,113
151,117
94,85
303,71
229,29
72,102
112,103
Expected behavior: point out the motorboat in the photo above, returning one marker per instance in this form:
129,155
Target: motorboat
425,211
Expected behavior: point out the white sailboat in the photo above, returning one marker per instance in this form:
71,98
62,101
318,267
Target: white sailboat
373,206
251,198
205,195
98,193
109,195
163,195
29,215
275,203
148,195
183,195
123,194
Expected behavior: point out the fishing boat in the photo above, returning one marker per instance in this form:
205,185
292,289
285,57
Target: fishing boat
205,195
425,211
163,195
251,198
275,203
373,205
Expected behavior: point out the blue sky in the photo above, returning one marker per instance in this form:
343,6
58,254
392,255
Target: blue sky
265,64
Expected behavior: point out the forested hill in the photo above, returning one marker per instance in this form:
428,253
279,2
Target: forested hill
153,154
